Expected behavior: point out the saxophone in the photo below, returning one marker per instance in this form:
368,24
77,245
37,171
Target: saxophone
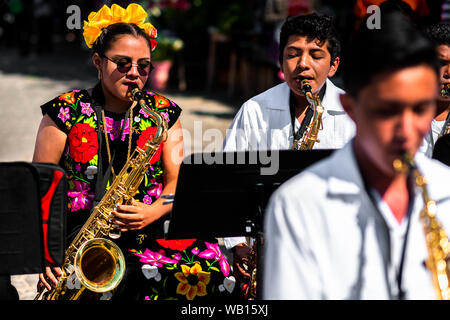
308,140
438,246
92,261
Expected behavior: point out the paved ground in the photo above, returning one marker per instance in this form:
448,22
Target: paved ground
27,83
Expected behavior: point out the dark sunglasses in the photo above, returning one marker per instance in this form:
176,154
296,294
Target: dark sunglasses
124,65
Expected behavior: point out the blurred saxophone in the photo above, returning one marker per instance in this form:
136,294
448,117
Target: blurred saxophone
92,261
438,246
310,137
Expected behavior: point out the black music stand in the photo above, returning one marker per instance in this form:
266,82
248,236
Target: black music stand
216,197
26,192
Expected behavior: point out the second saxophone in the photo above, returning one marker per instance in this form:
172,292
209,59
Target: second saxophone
310,137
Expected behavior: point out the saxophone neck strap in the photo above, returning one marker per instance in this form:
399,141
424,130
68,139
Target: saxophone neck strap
306,120
308,116
401,294
103,176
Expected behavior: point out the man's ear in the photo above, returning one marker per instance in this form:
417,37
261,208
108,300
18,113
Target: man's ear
333,68
348,104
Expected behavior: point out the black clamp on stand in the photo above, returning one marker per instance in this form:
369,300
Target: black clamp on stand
33,220
225,194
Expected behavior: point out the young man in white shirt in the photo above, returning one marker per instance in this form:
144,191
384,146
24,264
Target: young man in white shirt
440,36
348,227
309,49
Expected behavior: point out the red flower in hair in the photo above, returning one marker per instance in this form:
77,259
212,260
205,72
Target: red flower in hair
83,143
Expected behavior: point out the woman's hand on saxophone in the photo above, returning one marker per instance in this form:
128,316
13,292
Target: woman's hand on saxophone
138,215
50,278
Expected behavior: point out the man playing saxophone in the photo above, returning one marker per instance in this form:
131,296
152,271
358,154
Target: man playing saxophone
350,227
282,117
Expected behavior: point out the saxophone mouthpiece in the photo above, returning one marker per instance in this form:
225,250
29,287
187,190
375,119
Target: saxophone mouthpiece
404,164
306,86
136,93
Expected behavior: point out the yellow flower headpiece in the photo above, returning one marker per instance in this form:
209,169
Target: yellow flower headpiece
134,13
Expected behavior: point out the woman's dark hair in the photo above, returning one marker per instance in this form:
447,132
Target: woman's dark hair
313,26
439,33
113,31
397,44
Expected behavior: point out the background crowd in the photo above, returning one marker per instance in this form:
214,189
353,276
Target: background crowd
226,47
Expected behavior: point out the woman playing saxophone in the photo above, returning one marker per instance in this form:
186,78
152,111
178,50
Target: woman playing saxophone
95,133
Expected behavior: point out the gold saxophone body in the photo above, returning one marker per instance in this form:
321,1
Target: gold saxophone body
438,246
310,137
92,261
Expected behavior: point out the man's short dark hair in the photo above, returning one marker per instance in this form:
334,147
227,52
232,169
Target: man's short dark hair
439,33
398,44
312,26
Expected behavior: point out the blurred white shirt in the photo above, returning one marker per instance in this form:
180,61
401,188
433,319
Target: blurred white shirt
324,239
430,139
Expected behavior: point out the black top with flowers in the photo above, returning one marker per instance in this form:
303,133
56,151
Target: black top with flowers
73,112
185,269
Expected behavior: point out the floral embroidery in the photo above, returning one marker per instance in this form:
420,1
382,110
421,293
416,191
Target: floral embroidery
83,143
69,97
147,199
80,196
165,115
161,102
64,114
86,108
148,134
114,127
179,245
154,258
193,281
214,251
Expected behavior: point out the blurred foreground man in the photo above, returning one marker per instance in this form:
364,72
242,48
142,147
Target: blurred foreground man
348,227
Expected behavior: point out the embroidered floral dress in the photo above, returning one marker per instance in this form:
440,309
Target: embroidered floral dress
155,268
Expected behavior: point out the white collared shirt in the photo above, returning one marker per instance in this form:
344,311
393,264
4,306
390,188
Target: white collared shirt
431,138
325,239
264,122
